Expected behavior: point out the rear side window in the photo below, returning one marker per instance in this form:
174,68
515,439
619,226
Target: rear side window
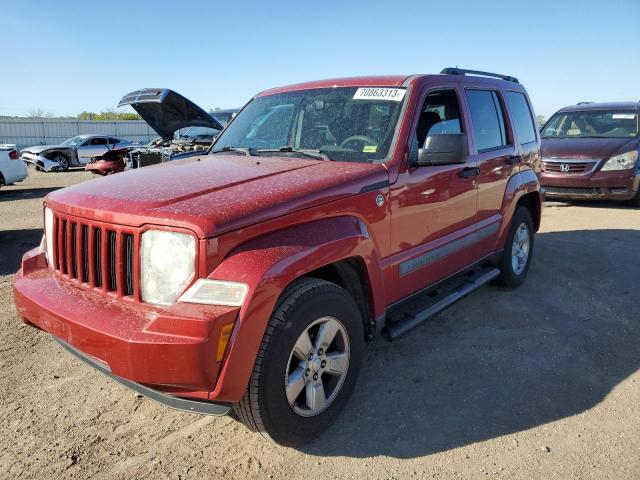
487,119
522,118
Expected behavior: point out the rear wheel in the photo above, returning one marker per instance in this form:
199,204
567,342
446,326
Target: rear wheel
518,250
307,364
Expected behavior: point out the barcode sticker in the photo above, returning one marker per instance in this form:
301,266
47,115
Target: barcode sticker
373,93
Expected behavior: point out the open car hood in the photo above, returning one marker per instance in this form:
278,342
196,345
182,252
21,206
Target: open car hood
167,111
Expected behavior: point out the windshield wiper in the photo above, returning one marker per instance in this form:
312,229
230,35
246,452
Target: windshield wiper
249,152
317,154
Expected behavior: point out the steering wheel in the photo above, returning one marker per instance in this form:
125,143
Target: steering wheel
358,138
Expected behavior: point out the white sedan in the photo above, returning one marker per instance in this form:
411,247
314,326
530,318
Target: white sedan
12,169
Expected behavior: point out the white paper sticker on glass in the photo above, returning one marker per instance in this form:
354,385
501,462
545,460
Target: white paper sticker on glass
376,93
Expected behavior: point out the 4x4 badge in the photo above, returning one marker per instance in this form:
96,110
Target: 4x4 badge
380,200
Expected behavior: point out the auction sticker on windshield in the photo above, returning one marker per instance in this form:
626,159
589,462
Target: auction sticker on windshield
392,94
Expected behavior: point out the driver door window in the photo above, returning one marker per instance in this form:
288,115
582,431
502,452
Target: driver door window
440,115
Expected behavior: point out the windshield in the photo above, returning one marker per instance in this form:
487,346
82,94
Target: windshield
344,123
72,142
592,123
198,133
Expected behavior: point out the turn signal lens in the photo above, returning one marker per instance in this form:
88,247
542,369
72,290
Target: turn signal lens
225,335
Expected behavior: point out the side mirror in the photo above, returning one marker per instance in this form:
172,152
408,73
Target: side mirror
444,149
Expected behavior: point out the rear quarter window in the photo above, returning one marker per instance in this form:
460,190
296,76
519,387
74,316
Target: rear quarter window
521,116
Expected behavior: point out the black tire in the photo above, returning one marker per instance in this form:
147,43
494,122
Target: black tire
635,201
264,408
509,277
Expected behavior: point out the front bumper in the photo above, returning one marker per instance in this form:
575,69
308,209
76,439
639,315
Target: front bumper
613,185
195,406
40,162
165,351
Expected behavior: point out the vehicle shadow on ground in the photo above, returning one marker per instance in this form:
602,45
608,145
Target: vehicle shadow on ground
502,361
24,193
13,244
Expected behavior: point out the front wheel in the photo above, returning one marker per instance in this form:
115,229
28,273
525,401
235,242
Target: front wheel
518,249
635,201
63,162
307,364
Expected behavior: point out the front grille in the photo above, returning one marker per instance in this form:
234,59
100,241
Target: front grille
97,255
572,191
568,167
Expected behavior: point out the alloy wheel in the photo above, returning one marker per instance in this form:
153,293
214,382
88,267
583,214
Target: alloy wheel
317,367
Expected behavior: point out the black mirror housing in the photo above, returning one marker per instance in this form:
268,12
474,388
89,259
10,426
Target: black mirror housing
444,149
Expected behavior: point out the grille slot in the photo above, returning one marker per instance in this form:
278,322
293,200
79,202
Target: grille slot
96,255
112,256
128,262
73,251
84,248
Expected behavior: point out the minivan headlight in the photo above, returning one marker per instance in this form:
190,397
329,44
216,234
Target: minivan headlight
623,161
48,235
167,265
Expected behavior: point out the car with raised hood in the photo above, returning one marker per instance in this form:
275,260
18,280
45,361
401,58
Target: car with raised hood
12,169
251,277
74,152
185,129
590,152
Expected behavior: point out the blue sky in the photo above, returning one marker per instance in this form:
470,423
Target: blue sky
66,56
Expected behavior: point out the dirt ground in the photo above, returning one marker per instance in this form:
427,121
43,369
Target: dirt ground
537,383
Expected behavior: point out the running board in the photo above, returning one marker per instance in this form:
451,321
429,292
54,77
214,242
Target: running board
420,308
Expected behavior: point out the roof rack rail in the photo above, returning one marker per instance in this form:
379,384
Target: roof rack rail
583,103
464,71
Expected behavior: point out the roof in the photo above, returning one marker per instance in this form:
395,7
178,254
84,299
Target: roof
602,106
385,81
371,81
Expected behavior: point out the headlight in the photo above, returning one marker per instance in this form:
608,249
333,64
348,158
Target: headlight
216,292
624,161
48,234
166,265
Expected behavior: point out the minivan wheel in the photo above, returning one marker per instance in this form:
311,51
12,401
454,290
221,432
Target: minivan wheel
518,249
307,364
635,200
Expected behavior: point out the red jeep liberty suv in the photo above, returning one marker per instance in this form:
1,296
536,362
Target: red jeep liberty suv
250,277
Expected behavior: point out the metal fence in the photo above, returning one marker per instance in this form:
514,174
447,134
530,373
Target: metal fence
28,132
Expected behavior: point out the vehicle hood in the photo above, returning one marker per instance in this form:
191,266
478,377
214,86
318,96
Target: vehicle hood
41,148
580,148
167,111
215,194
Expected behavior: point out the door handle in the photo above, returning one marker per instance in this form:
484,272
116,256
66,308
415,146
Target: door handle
469,172
514,160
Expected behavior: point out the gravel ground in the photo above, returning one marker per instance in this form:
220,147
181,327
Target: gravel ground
540,382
